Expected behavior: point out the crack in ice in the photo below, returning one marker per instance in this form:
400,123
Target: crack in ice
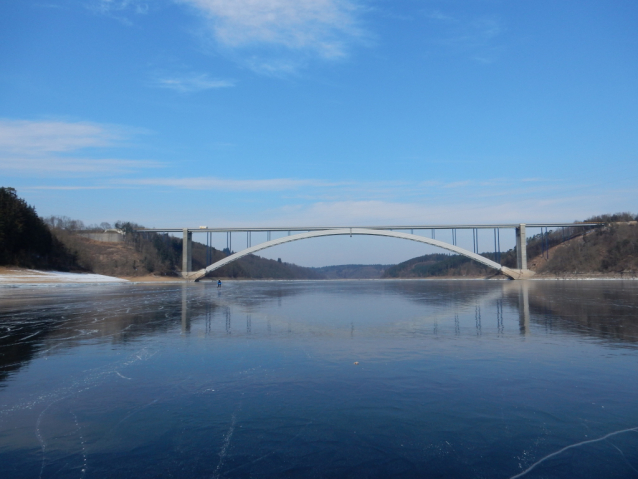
624,457
82,443
224,450
634,429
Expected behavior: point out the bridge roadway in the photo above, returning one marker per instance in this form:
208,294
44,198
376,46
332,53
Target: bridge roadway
306,232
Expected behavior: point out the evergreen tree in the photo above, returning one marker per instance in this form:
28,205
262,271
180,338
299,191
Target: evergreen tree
25,240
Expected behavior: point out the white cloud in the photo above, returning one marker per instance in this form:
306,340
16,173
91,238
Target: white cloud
322,26
273,66
23,136
273,37
465,210
192,83
212,183
326,191
39,166
356,212
43,147
67,188
110,6
457,184
476,36
439,15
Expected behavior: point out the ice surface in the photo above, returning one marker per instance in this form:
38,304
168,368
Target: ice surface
454,379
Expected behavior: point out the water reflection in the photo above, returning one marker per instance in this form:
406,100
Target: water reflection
186,323
345,379
523,307
604,310
47,321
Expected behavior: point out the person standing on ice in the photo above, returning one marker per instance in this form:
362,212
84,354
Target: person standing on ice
219,283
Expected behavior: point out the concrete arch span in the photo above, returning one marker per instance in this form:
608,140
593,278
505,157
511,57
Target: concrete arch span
512,273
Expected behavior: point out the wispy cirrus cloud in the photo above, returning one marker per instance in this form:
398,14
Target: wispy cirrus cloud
192,83
46,165
322,26
273,37
68,188
228,184
439,15
523,208
113,6
322,191
457,184
320,201
476,36
36,137
44,147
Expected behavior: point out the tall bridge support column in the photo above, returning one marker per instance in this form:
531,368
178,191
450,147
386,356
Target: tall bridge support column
187,252
521,247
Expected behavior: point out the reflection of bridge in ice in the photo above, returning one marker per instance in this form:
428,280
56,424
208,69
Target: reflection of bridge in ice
600,310
399,232
54,320
488,313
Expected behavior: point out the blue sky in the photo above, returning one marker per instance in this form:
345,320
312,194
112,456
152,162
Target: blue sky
320,112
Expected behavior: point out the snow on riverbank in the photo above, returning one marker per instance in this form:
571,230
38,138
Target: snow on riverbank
32,276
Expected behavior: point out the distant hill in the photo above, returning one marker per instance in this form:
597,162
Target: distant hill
353,271
250,266
439,265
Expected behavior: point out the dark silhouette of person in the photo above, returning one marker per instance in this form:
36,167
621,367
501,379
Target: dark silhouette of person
219,283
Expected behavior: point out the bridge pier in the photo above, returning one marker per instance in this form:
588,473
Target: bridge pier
187,252
521,247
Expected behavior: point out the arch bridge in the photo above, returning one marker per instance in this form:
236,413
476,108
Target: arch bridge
400,232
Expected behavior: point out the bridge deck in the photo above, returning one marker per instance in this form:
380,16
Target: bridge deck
395,227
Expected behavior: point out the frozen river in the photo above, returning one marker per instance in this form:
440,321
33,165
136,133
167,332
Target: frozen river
352,379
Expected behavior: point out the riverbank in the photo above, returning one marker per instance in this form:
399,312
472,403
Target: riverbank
14,275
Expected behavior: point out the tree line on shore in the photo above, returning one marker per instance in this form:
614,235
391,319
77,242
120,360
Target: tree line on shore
25,239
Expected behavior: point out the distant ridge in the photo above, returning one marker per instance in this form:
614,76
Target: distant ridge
353,271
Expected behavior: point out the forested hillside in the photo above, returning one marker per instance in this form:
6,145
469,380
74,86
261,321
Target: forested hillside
142,254
611,249
25,239
137,255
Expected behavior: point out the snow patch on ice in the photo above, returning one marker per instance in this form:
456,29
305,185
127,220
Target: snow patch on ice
12,276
